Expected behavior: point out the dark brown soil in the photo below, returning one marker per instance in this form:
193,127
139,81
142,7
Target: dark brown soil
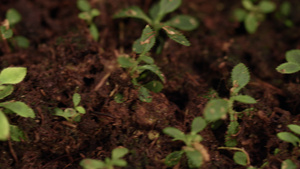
62,56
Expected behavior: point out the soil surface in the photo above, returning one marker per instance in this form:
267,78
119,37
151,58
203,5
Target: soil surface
63,58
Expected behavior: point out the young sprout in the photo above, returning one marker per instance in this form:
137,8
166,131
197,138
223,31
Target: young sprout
217,109
157,12
193,149
87,13
293,62
108,163
252,15
72,114
9,77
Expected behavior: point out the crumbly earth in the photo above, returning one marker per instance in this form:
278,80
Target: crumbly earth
62,57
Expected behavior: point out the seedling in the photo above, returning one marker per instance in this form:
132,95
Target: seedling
9,77
284,13
12,18
252,15
217,109
288,164
293,62
290,137
193,149
157,12
108,163
72,114
87,13
138,67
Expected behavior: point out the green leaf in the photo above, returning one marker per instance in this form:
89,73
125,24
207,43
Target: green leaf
85,16
95,12
183,22
154,69
12,75
119,98
6,91
67,114
288,164
266,6
22,42
153,11
16,133
215,109
233,128
195,159
133,12
167,6
176,35
239,14
251,23
94,31
244,99
76,99
240,158
4,127
295,128
293,56
126,62
285,8
13,16
175,133
173,158
146,42
144,95
119,162
83,5
230,142
119,153
19,108
240,77
198,125
80,109
146,59
91,164
154,86
288,137
288,68
247,4
6,34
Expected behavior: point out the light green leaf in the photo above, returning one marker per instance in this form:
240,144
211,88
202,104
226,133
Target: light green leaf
146,59
215,109
12,75
247,4
83,5
76,99
85,16
288,164
80,109
126,62
144,95
119,162
167,6
288,137
183,22
16,133
244,99
146,42
198,125
67,114
118,153
173,158
6,33
6,90
266,6
154,86
239,14
240,77
288,68
295,128
91,164
154,69
240,158
22,42
293,56
19,108
4,127
94,31
153,11
133,12
95,12
176,35
175,133
195,159
13,16
251,23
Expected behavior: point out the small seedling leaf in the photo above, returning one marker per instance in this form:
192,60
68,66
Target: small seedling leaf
240,158
295,128
175,133
198,125
147,59
144,95
247,4
153,11
118,153
6,33
288,137
244,99
240,77
76,99
173,158
251,23
215,109
146,42
12,75
293,56
4,127
119,162
126,62
6,91
288,164
94,32
67,114
91,164
83,5
154,69
176,35
239,14
285,8
195,159
85,16
95,12
154,86
183,22
266,6
288,68
13,16
133,12
22,42
167,6
19,108
16,134
119,98
80,109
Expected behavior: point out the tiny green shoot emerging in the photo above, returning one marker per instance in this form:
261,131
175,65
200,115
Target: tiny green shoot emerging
293,62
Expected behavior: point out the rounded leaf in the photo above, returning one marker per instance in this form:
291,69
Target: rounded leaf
240,77
288,164
288,68
12,75
22,42
240,158
167,6
173,158
80,109
94,32
154,86
247,4
119,153
133,12
184,22
6,91
6,33
288,137
195,159
176,36
239,14
293,56
119,162
198,125
19,108
295,128
175,133
76,99
83,5
91,164
251,23
244,99
4,127
13,16
266,6
215,109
